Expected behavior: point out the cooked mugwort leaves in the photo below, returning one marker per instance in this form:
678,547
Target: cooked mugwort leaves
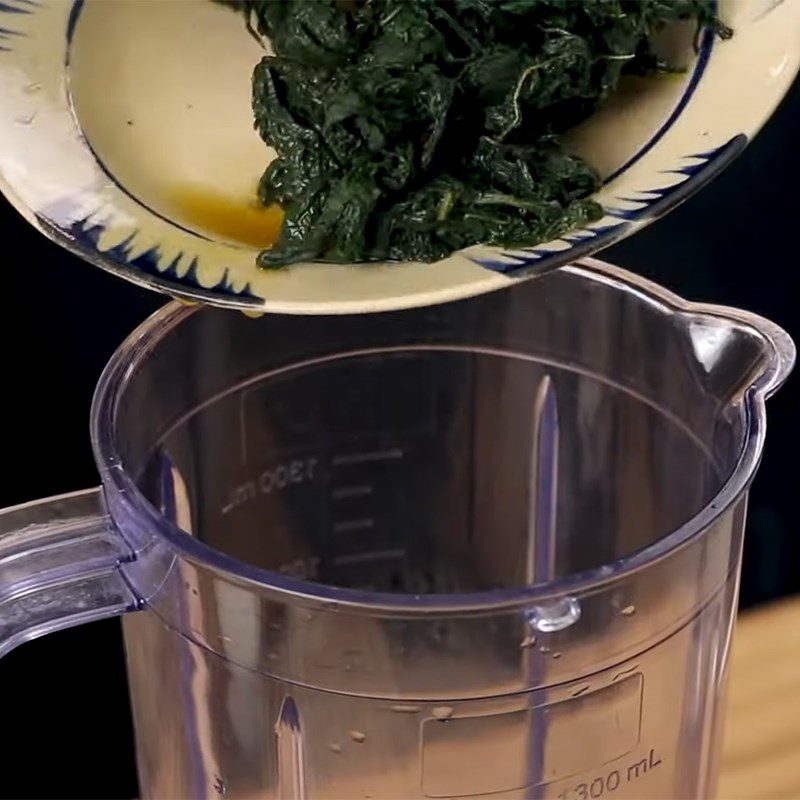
410,129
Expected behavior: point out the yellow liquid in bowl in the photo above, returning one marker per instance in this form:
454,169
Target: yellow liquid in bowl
233,218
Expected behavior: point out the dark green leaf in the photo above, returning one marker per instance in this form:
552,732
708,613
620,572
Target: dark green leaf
407,129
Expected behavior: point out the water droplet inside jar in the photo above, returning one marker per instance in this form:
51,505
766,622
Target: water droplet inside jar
442,712
628,611
358,736
400,708
555,616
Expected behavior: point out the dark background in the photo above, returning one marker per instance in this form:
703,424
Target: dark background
64,701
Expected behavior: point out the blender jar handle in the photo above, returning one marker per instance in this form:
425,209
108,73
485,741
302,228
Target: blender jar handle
60,564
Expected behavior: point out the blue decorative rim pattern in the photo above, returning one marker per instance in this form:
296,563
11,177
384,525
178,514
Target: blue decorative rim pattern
591,240
82,237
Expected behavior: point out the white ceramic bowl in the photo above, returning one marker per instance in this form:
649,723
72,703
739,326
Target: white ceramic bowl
126,135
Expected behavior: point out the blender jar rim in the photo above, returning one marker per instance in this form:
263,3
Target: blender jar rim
140,343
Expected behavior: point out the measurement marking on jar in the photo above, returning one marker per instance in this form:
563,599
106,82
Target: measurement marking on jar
374,555
608,783
271,480
346,492
345,459
353,525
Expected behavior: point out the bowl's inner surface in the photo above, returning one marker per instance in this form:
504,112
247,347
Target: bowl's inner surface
162,94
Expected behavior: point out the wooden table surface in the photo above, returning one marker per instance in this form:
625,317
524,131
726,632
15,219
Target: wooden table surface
761,757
